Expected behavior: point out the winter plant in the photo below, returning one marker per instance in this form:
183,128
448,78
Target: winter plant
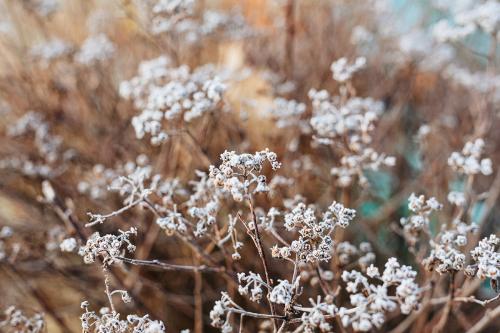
290,166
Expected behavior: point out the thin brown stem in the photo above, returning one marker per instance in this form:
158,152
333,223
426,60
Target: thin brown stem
262,254
170,267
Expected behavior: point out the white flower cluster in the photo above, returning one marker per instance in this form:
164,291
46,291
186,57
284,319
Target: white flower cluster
219,314
51,156
283,292
343,70
487,258
469,161
349,254
373,301
95,49
175,17
445,255
95,182
346,123
333,119
172,222
131,180
231,25
354,166
204,203
252,282
32,122
16,321
109,321
168,13
316,317
443,31
419,220
68,245
482,14
457,198
51,50
288,113
314,243
238,173
137,184
108,247
135,187
482,82
162,92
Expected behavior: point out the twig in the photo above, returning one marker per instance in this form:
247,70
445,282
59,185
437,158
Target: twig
262,254
170,267
446,311
469,299
107,287
198,300
100,218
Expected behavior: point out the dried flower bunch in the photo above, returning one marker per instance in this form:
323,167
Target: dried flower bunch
272,167
162,92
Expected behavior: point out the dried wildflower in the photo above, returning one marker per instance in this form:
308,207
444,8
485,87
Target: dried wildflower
467,18
108,247
445,256
339,215
136,187
172,222
354,166
349,254
343,71
68,245
168,13
239,173
487,258
51,50
316,317
253,282
419,220
95,49
483,82
314,242
204,203
355,118
469,160
17,322
457,198
165,93
50,156
218,313
288,113
282,293
109,321
352,120
175,17
373,301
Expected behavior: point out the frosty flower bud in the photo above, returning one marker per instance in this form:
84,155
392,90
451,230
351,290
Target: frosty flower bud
372,271
68,245
469,160
282,293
